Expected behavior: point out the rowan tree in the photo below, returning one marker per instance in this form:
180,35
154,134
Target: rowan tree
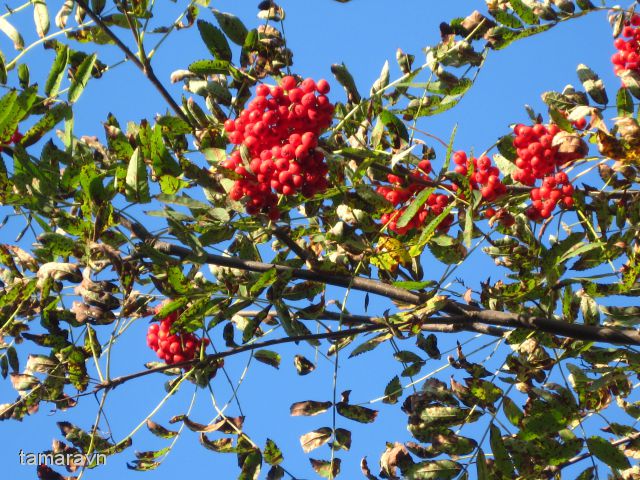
278,197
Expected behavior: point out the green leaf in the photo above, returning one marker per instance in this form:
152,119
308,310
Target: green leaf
52,85
428,231
482,472
210,67
356,412
506,18
81,77
609,454
346,80
370,344
325,468
13,108
396,127
500,455
505,166
433,470
392,391
215,40
51,118
511,411
624,103
268,357
409,285
232,26
413,208
272,454
502,37
524,12
136,182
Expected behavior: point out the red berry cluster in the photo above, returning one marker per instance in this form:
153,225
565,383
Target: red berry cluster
280,129
485,176
537,157
628,55
400,193
555,189
173,348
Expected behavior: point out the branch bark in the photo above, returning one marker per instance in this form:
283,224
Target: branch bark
458,310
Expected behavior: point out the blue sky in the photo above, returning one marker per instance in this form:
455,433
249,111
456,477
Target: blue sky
362,34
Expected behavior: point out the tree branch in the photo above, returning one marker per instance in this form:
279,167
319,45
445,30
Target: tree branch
143,65
114,382
472,314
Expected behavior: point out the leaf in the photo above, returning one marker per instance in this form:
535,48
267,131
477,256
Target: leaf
81,77
382,81
370,344
268,357
309,408
221,445
232,26
524,12
22,382
433,470
136,182
275,473
272,454
428,231
326,468
396,127
392,391
608,453
356,412
230,425
511,411
429,345
505,166
505,18
346,80
624,103
592,84
482,472
52,85
51,118
312,440
413,208
159,430
11,32
210,67
342,439
500,455
303,365
215,40
41,17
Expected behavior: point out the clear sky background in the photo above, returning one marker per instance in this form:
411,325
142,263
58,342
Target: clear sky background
362,34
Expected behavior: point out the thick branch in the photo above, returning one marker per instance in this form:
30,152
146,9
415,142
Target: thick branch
143,66
458,310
